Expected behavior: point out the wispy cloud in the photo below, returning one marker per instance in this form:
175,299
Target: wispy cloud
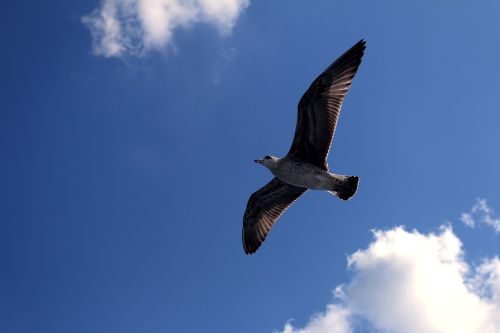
481,213
408,282
134,27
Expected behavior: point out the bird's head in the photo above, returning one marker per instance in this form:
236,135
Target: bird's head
268,161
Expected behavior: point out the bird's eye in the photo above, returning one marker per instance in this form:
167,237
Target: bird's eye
267,157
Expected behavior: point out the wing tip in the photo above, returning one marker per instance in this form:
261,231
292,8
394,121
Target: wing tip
249,252
250,244
361,42
251,247
359,46
353,56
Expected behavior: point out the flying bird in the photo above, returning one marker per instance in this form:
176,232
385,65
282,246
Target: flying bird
305,165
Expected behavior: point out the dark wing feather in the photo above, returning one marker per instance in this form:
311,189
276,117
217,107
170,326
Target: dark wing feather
263,209
319,109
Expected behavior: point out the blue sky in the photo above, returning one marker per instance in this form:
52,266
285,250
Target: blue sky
125,175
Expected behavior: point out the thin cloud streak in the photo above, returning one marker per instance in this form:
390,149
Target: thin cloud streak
135,27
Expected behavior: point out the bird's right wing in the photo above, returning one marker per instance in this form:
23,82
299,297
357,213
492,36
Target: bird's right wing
263,209
319,109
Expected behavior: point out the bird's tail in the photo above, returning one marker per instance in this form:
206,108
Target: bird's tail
346,187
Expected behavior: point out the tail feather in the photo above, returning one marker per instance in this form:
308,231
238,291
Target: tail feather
347,188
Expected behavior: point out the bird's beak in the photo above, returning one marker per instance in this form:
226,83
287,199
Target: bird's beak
258,161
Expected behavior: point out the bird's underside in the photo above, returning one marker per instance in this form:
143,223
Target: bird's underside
317,116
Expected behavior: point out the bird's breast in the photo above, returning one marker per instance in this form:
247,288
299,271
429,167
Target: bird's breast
302,175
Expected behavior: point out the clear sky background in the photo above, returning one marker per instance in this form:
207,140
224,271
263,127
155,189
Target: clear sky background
126,171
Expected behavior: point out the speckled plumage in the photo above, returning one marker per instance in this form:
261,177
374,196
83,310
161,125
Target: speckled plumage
305,166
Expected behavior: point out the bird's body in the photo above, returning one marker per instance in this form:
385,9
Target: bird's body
307,176
305,167
303,175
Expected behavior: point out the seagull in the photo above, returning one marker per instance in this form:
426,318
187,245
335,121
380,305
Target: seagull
305,165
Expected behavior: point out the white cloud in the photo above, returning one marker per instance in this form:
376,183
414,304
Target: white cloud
408,282
133,27
481,213
334,320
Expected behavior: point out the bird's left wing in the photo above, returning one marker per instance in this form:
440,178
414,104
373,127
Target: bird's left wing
263,209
